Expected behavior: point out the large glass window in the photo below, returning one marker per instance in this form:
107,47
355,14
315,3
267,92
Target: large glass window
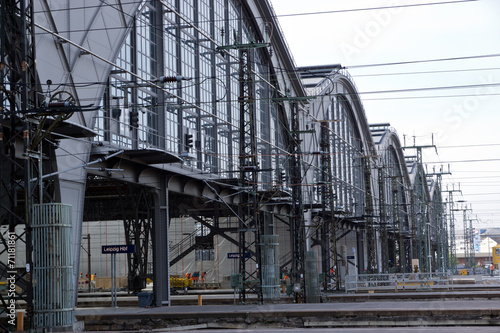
198,41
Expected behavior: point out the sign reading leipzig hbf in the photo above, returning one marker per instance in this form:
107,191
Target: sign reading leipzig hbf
118,249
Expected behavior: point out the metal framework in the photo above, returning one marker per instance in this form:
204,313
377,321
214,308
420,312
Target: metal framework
297,227
329,222
18,94
452,243
384,265
467,240
441,225
372,266
250,226
138,218
422,221
222,134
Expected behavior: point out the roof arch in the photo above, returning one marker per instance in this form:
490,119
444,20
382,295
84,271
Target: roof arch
336,108
389,149
336,84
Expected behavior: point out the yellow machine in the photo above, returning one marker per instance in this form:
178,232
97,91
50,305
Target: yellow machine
180,283
496,255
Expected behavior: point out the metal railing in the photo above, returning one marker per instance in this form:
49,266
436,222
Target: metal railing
184,244
398,281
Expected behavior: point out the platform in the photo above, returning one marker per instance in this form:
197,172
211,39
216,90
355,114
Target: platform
446,310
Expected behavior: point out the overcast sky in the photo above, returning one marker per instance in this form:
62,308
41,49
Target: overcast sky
410,34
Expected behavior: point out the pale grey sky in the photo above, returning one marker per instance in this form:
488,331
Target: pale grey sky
411,34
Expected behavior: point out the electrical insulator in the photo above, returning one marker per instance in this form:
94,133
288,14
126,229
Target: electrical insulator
176,78
134,118
59,104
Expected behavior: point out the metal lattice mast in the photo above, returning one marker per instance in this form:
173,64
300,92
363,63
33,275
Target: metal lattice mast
413,234
398,232
466,236
466,240
383,221
297,218
18,94
249,225
423,218
329,228
422,227
370,230
137,215
472,251
441,234
452,245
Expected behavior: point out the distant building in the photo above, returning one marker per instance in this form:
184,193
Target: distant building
485,240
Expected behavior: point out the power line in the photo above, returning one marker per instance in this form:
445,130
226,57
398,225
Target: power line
373,8
428,72
424,61
427,97
483,193
483,177
466,161
276,15
471,146
429,88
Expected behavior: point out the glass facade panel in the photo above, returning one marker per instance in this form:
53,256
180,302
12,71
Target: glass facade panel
181,38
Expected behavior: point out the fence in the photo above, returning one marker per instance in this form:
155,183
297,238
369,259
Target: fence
398,281
52,266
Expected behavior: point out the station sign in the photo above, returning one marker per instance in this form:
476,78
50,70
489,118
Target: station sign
118,249
236,255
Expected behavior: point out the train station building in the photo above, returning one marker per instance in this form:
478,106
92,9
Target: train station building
185,129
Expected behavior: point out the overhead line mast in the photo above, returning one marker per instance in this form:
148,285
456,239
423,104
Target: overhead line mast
423,226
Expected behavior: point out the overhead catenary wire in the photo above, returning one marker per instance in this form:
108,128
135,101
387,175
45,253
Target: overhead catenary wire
262,17
481,56
232,101
374,8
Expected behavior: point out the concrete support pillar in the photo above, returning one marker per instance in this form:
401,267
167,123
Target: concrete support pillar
161,260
